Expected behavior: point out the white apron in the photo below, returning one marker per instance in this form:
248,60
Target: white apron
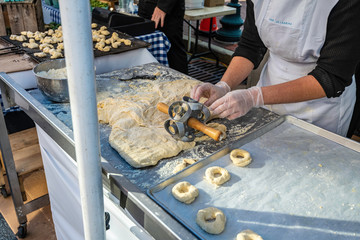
294,32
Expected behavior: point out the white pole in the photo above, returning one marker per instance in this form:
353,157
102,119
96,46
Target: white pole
76,24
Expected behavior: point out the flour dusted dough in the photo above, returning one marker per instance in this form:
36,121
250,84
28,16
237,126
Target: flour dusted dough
248,235
211,220
217,175
185,192
138,132
185,163
240,157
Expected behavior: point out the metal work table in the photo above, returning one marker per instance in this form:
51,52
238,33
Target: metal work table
126,183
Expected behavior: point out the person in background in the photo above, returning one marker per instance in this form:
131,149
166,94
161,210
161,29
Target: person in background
168,16
313,51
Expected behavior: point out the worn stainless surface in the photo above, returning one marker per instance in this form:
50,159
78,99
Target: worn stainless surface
55,120
54,89
303,183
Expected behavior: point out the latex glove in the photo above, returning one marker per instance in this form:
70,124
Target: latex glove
158,16
237,103
210,91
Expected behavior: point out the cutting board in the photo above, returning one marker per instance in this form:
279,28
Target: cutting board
13,62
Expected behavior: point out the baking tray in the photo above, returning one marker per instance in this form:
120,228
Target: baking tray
303,183
135,44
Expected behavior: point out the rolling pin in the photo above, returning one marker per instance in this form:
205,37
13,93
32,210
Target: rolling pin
194,123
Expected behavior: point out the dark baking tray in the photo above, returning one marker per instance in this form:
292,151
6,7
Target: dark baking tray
134,26
135,44
130,24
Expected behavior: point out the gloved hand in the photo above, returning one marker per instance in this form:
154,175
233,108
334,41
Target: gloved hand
237,103
210,91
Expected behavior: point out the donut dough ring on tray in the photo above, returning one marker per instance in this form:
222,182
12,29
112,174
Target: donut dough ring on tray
240,157
185,192
217,175
248,235
211,220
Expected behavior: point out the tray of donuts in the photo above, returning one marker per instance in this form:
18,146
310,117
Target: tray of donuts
47,45
270,184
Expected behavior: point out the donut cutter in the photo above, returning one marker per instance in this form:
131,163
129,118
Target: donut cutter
180,112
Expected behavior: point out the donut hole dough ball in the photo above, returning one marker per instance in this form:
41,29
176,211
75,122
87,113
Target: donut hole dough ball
185,192
211,220
217,175
240,157
248,235
185,163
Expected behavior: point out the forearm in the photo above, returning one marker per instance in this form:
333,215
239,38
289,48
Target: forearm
237,71
302,89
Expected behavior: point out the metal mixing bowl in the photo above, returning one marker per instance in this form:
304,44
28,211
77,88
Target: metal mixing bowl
53,89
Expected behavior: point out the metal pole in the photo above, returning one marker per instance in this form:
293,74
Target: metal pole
76,24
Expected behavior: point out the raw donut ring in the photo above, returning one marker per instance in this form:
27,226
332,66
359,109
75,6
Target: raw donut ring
185,192
211,220
240,157
217,175
248,235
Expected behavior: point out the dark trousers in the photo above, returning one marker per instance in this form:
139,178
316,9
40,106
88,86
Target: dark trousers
177,55
173,29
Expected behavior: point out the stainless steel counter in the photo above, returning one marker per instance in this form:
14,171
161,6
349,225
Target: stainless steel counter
128,184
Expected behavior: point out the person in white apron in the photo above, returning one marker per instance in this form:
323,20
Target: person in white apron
301,77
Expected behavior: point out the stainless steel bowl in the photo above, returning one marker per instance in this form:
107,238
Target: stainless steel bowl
53,89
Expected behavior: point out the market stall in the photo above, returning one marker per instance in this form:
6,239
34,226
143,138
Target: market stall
288,190
293,187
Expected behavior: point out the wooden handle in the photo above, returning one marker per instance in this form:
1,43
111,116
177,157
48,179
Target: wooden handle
194,123
162,107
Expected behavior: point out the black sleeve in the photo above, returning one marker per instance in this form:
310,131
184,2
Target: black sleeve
167,5
250,45
341,51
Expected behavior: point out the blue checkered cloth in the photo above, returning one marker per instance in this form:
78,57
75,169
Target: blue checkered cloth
8,110
160,45
50,14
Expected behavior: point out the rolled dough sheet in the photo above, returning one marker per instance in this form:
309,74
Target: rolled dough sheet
137,126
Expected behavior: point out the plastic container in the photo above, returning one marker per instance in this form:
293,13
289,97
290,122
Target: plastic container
194,4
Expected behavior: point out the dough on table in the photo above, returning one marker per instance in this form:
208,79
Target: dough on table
217,175
185,192
248,235
185,163
240,157
138,132
211,220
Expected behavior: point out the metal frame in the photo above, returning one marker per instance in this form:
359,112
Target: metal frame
195,53
12,179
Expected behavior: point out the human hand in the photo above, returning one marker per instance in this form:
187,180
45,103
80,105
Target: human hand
237,103
158,16
210,91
